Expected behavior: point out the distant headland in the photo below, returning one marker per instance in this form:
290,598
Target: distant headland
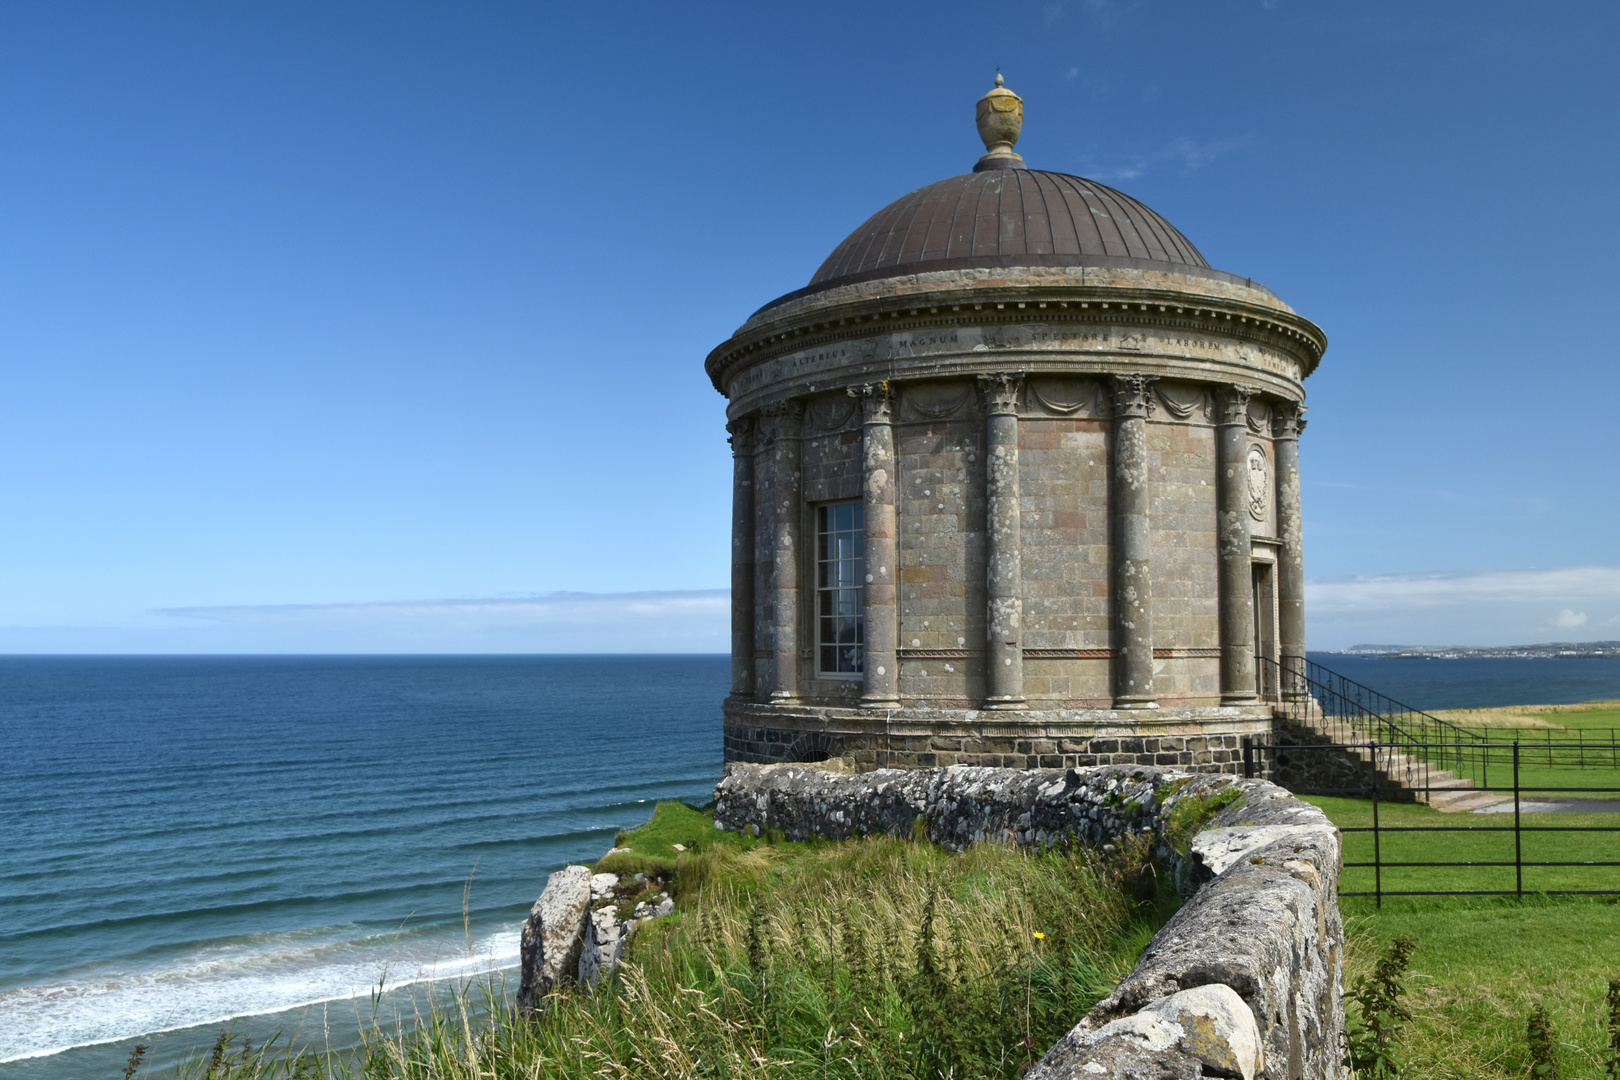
1553,650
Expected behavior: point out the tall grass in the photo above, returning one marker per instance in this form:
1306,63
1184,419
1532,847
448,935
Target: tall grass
876,958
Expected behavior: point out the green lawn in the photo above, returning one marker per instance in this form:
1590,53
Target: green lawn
1476,845
1557,748
1482,965
1484,962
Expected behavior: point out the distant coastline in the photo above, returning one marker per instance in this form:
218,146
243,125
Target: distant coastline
1554,650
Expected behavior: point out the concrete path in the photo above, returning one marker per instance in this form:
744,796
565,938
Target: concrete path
1563,806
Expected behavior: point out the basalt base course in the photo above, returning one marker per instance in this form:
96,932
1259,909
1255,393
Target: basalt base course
1245,979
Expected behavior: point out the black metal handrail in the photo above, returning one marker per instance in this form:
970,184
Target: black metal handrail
1421,748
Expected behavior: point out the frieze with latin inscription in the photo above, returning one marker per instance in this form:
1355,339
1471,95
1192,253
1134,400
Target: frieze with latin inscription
921,353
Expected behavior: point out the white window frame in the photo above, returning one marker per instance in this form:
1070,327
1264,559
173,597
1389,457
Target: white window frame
839,577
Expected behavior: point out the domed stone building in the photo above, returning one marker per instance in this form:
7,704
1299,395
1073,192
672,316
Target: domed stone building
1016,484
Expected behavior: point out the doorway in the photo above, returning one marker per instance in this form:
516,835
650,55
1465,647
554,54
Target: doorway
1265,630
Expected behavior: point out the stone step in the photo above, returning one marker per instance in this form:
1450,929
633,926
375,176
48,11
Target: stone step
1440,788
1457,802
1435,783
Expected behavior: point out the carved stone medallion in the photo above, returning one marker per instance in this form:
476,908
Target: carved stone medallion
1259,482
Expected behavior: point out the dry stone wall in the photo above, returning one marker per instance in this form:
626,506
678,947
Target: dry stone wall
1244,981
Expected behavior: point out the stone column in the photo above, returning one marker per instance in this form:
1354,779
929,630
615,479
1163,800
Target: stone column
1131,546
1232,540
788,419
882,667
1004,638
742,555
1289,422
764,553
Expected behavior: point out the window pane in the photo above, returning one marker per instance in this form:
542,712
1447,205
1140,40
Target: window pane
840,592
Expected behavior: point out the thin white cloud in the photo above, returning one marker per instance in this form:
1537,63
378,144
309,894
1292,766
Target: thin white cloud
567,608
1498,607
685,621
1412,591
695,620
1190,154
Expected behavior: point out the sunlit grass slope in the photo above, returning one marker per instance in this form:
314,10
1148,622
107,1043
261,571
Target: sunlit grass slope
878,958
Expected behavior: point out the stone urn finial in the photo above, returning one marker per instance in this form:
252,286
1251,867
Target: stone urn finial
1001,119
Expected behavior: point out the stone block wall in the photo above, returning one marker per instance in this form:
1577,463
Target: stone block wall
1320,770
1203,740
941,511
1181,521
1244,981
1063,487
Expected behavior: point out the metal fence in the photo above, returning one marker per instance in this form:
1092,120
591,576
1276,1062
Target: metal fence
1344,711
1513,759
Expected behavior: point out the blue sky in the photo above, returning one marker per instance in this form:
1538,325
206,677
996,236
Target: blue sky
372,326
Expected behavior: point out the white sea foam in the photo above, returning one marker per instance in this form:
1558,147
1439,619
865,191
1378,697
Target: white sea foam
254,976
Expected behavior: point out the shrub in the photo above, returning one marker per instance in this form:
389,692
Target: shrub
1542,1039
1614,1029
1373,1032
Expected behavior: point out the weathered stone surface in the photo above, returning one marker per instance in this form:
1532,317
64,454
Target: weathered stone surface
959,806
1217,849
1261,927
1269,928
1206,1031
1205,739
554,935
605,941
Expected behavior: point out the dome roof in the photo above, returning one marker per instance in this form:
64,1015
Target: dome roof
1008,217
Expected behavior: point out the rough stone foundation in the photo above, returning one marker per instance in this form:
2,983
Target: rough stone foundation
1195,739
1244,981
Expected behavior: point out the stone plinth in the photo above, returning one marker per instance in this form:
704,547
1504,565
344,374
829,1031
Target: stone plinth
1207,738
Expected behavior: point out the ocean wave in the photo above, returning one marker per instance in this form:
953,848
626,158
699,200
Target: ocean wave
240,977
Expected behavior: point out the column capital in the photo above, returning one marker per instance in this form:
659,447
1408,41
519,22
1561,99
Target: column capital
1132,394
877,402
1232,405
741,435
1001,392
783,419
1288,420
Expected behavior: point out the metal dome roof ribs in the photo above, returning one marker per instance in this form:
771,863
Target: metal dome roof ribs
1005,217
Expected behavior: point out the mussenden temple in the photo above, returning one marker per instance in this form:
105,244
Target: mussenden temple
1016,484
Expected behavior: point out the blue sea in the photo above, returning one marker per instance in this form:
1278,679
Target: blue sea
187,843
1480,683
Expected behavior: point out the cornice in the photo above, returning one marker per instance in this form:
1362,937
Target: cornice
1003,305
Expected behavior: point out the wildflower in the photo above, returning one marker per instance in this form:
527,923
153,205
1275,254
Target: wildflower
1039,936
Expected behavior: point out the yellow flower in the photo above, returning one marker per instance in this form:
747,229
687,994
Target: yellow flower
1039,936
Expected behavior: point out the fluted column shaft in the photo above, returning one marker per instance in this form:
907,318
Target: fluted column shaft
1233,541
882,668
764,461
788,418
1004,639
742,555
1291,559
1132,547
